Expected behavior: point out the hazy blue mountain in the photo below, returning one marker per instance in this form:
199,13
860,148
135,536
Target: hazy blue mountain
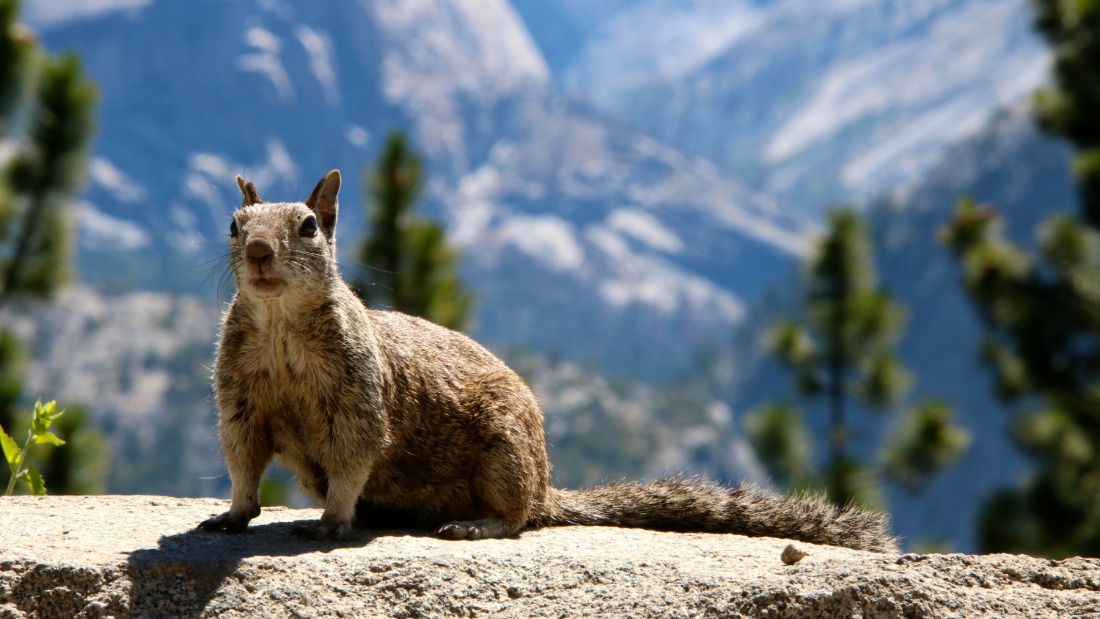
809,100
593,165
582,237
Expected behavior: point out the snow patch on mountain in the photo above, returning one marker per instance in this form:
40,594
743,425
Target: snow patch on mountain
319,47
439,50
645,228
942,87
661,39
102,231
265,61
816,101
358,136
548,238
627,209
645,279
104,174
52,13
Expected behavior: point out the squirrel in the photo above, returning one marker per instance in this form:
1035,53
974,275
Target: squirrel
390,419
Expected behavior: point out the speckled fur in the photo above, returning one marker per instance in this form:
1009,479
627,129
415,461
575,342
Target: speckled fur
394,420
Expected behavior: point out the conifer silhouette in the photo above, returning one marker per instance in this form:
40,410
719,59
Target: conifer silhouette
411,266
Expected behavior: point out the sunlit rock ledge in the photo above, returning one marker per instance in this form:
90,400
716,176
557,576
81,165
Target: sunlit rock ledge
138,556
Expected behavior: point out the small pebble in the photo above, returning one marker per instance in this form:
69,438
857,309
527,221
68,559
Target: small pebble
791,555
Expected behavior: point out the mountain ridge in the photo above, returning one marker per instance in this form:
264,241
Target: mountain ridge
815,102
531,185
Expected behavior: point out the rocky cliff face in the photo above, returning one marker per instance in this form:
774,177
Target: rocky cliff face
813,101
139,556
623,236
580,235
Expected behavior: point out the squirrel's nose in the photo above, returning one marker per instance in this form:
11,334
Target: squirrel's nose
257,250
259,253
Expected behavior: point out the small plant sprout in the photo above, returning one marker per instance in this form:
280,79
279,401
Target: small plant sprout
39,433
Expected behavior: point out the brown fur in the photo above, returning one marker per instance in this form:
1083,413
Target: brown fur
395,420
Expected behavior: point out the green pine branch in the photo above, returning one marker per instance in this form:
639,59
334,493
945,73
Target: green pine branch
44,176
413,269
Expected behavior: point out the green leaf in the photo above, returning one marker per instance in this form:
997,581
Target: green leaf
886,380
44,416
790,341
808,381
34,480
849,481
779,435
11,448
48,438
40,422
925,442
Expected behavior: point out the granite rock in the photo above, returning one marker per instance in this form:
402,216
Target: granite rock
139,556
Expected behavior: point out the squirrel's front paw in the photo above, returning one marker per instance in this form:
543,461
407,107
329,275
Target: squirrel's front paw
321,531
226,522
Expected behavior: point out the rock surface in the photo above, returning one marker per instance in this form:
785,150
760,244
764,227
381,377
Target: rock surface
139,556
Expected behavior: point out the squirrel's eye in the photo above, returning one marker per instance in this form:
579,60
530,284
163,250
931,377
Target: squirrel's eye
233,231
309,227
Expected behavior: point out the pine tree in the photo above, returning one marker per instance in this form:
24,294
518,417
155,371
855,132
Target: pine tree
1042,315
42,179
16,58
412,267
844,350
12,365
36,191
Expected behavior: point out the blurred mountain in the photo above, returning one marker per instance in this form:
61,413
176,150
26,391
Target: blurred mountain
658,431
606,167
811,101
140,363
582,238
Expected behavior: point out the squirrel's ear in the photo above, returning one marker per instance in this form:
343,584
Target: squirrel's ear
251,196
323,201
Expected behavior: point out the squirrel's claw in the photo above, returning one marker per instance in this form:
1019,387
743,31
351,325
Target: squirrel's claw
459,530
321,531
225,522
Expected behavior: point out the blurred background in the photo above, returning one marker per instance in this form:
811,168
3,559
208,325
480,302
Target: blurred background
824,245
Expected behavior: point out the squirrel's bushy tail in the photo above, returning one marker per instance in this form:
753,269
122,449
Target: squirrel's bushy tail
697,505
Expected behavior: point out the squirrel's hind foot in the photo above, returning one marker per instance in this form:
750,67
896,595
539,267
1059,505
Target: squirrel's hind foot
477,529
320,531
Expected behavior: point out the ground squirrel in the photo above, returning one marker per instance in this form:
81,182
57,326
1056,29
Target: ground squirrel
390,419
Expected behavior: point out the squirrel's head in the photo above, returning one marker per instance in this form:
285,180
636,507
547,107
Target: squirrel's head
285,245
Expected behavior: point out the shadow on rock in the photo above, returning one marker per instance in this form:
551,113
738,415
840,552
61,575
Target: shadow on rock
188,570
